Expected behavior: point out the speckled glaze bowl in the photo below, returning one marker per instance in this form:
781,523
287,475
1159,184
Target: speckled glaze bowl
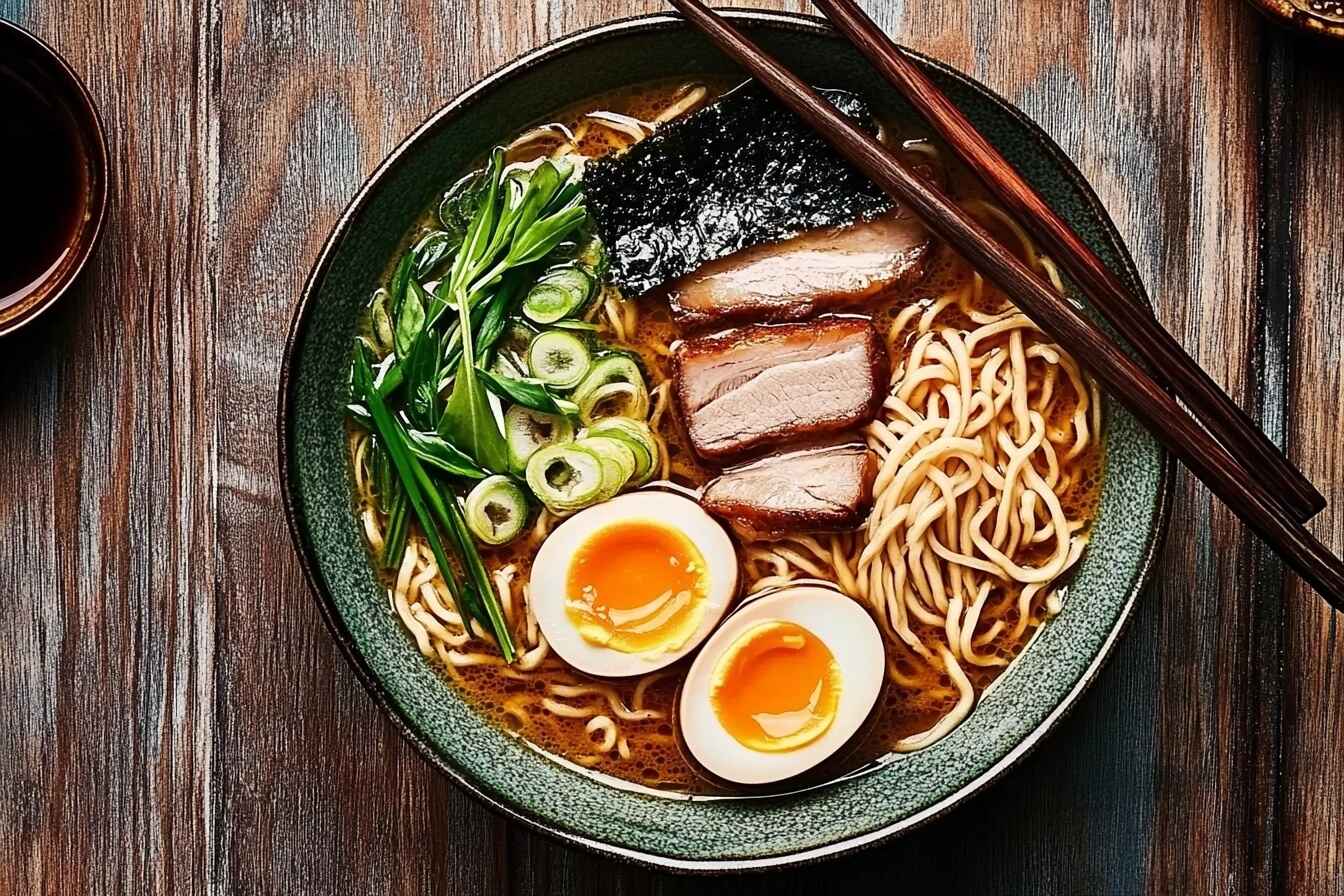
699,835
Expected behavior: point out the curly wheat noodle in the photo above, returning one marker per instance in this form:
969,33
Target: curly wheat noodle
946,471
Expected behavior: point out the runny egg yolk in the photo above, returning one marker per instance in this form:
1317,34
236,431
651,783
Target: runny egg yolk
637,587
776,687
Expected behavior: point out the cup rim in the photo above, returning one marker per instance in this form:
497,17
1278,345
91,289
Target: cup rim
93,135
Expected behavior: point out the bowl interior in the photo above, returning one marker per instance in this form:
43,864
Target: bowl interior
703,834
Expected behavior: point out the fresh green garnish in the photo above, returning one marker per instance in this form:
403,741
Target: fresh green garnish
451,339
529,431
433,512
566,478
530,393
516,224
558,358
497,510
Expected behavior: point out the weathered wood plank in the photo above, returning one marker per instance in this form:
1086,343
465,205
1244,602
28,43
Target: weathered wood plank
1206,291
107,418
1312,851
314,791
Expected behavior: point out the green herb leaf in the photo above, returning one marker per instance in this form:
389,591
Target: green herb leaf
495,319
541,186
437,451
430,250
397,530
421,370
481,230
528,392
401,277
546,234
410,321
469,421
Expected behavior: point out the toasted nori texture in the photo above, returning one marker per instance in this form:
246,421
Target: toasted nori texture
742,171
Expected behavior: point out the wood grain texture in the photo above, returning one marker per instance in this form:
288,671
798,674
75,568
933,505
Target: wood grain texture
108,415
173,716
1312,854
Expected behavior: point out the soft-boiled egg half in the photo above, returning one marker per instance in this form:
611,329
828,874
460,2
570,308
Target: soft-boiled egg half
782,686
633,584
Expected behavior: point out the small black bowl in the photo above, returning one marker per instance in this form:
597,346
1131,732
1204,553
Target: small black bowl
34,70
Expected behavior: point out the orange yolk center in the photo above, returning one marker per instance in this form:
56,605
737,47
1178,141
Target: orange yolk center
776,688
638,587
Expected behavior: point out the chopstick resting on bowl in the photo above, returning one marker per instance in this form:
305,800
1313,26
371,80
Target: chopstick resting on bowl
1132,318
1125,379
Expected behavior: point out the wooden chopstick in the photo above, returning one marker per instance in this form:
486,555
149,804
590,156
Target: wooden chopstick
1133,319
1122,376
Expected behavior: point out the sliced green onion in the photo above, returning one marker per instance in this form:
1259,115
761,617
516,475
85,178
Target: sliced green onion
565,478
559,294
635,434
558,359
615,400
618,463
616,367
497,510
528,431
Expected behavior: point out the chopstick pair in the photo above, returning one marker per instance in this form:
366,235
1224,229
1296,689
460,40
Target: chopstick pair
1221,416
1245,470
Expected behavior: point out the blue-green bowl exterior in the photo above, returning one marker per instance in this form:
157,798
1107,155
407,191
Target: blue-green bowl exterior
689,835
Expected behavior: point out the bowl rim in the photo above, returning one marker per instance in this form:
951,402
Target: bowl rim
93,132
446,114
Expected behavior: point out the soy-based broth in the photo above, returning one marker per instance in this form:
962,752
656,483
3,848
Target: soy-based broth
920,693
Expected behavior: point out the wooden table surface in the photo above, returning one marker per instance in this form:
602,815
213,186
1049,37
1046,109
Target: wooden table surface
175,719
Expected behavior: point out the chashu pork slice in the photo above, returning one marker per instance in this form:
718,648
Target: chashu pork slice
822,488
765,386
818,271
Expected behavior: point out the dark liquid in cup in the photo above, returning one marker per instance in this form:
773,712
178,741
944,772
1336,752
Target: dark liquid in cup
43,181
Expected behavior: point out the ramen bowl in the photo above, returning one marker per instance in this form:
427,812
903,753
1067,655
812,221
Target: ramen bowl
704,834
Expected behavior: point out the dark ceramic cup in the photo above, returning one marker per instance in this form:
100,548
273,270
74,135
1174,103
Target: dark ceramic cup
53,163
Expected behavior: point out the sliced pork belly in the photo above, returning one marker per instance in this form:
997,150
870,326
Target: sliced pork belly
824,488
821,270
751,388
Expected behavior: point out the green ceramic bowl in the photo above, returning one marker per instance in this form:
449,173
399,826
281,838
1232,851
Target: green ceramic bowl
503,771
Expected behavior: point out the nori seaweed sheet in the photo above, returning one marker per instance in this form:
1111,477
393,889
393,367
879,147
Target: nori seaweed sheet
742,171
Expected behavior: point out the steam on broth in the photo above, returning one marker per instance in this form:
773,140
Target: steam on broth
983,468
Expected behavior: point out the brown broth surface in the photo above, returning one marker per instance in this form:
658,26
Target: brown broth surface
512,700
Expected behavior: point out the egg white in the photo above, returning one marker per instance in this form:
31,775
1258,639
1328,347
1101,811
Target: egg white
550,577
853,639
